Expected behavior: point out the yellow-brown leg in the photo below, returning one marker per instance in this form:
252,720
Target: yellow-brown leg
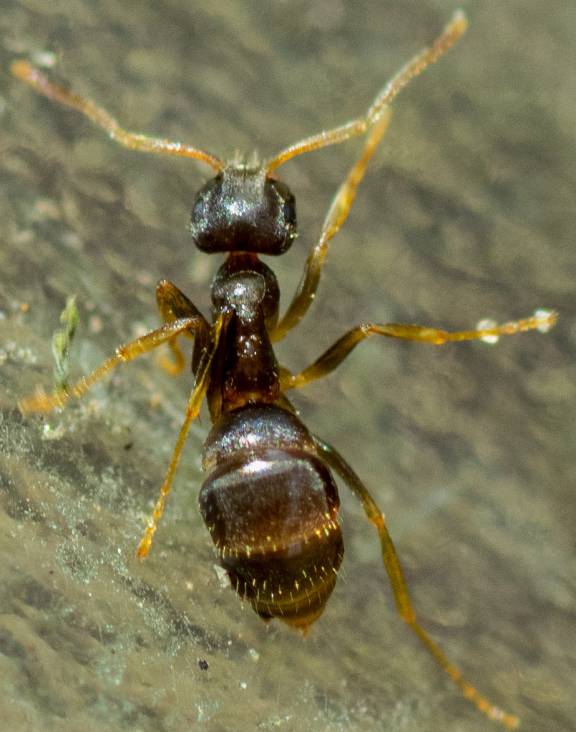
173,305
39,82
192,410
375,121
42,402
400,589
542,321
337,215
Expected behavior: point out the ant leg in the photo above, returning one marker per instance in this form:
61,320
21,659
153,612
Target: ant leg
542,320
337,215
39,82
400,589
192,411
376,121
173,305
42,402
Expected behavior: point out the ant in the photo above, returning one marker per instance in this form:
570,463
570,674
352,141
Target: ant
270,501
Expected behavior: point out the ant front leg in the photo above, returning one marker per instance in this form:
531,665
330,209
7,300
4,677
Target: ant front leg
42,402
174,305
337,215
542,320
403,602
374,123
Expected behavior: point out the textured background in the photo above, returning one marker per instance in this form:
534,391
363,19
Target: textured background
465,214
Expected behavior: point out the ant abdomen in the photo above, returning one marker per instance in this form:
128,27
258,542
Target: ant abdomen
271,507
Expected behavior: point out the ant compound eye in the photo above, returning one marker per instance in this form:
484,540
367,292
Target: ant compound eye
203,225
286,216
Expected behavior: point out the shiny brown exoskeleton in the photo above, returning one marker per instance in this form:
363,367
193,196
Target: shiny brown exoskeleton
269,500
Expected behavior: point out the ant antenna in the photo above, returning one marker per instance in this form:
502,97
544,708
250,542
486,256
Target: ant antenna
451,33
39,82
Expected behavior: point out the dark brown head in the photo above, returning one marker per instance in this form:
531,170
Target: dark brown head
244,209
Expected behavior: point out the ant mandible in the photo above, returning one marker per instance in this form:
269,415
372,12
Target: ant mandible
270,502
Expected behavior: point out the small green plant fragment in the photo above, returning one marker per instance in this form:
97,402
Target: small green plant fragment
62,342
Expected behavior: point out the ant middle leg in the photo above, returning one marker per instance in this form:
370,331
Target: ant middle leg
191,413
400,590
542,320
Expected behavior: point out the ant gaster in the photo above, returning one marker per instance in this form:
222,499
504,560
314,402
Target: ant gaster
270,501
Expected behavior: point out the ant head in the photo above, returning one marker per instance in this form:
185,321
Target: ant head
244,209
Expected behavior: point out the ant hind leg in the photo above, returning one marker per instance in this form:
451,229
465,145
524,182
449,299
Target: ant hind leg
403,603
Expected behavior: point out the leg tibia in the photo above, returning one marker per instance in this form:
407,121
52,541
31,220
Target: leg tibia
542,321
42,402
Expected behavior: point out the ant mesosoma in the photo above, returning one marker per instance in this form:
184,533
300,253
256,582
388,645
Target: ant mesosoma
270,502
